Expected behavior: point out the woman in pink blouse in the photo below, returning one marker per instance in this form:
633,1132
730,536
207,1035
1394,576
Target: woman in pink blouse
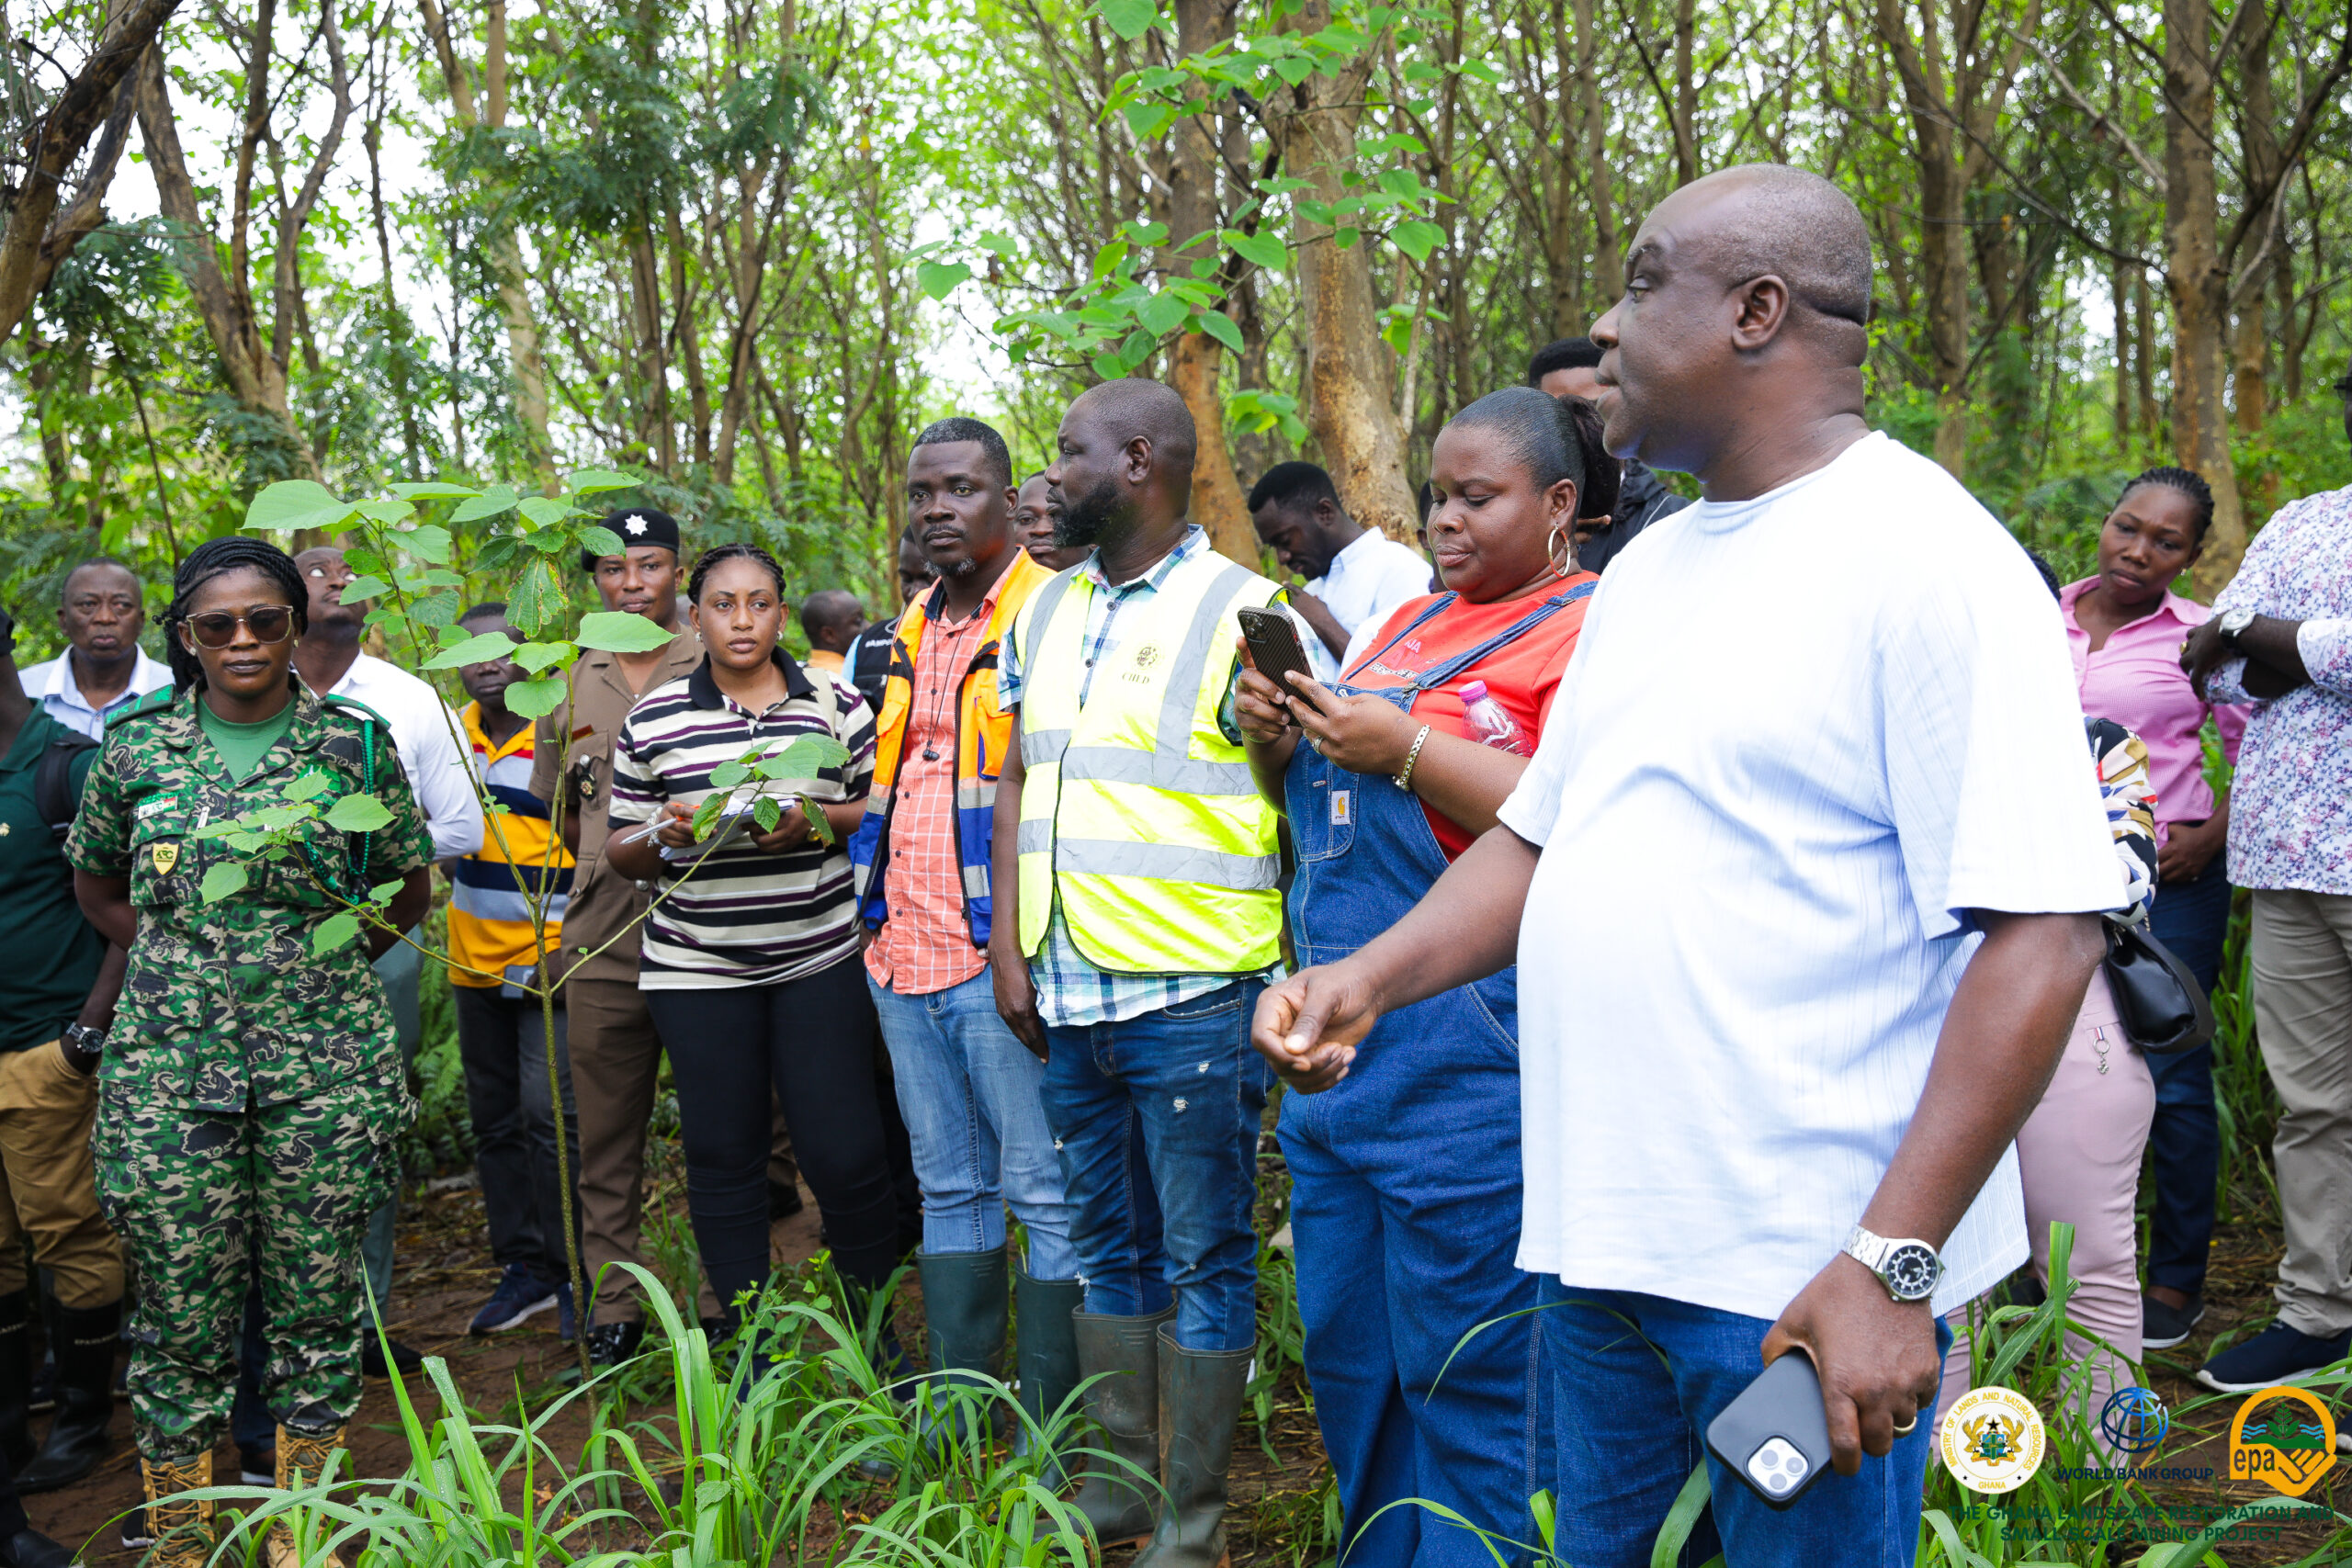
2125,628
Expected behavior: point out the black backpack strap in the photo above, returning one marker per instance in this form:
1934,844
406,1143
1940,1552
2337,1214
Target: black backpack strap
54,796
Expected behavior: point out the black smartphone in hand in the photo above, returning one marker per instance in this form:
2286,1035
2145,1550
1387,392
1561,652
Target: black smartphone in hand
1274,647
1775,1436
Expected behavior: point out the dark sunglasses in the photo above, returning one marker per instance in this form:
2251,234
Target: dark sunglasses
218,628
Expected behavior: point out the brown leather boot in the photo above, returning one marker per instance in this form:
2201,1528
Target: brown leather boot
182,1527
302,1460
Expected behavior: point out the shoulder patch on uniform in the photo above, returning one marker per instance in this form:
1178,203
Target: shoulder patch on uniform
153,703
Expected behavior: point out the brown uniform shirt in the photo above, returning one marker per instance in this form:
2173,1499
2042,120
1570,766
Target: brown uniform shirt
603,902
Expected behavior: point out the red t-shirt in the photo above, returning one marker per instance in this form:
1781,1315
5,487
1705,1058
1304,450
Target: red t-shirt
1522,675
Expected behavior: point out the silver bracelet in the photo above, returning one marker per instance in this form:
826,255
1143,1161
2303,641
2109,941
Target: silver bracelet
1405,777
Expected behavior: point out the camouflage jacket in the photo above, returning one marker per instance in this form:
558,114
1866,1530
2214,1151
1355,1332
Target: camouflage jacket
224,1006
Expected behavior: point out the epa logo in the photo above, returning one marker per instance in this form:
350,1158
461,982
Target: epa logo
2285,1437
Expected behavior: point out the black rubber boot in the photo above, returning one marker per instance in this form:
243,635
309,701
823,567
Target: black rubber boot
1049,1354
966,1310
31,1548
1200,1405
79,1439
16,1378
1118,1503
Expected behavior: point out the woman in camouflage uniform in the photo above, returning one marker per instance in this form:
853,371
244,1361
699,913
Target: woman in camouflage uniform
251,1089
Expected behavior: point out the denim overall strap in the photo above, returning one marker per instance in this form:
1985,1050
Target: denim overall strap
1439,674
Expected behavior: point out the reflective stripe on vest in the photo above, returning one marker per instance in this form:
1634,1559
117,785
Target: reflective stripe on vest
1136,814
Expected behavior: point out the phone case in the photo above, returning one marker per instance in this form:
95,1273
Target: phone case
1775,1437
1274,645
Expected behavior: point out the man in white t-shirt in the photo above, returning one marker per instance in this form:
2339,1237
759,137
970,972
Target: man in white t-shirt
1354,575
1799,887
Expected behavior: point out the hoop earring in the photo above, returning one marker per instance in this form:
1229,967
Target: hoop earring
1551,542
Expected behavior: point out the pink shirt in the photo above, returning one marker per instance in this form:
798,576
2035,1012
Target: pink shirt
2136,681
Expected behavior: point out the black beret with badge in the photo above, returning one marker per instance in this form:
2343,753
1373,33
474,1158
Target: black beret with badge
638,525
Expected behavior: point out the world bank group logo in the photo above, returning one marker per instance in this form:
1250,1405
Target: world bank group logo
2284,1435
2135,1421
1991,1440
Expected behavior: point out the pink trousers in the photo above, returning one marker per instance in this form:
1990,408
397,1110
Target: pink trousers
2079,1154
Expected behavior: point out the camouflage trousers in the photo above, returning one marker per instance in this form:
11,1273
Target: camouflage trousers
206,1200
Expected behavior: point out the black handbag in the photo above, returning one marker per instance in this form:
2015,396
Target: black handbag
2162,1007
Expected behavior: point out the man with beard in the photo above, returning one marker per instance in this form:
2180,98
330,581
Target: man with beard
968,1089
1136,922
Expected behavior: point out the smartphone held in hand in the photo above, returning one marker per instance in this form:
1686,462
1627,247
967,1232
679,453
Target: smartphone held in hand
1275,648
1775,1436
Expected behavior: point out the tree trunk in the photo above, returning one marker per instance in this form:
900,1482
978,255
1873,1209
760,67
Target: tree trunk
2259,138
58,137
1686,93
1350,407
2197,285
1218,503
1608,266
254,378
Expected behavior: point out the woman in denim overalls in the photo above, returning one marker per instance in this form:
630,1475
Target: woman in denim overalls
1405,1197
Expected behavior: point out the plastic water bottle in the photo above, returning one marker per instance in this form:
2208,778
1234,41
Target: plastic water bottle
1489,725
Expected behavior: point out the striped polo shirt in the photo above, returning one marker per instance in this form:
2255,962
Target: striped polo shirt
742,916
489,916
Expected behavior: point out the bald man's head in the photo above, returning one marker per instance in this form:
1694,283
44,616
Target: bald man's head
1742,324
1125,451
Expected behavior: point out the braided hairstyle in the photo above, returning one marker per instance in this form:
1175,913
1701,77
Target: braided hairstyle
218,558
718,554
2188,482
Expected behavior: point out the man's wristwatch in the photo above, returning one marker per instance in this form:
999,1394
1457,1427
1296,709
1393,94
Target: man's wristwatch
2233,623
83,1045
1908,1269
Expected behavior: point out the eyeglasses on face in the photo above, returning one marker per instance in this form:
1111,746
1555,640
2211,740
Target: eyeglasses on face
218,628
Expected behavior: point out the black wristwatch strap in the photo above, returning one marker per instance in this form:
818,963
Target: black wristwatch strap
83,1046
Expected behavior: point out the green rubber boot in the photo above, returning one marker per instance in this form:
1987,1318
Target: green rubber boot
1118,1503
966,1307
1200,1405
1048,1353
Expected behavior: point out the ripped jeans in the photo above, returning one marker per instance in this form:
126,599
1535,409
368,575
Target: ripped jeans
1157,1119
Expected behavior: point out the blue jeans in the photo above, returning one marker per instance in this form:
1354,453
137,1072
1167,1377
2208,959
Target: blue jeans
2192,919
970,1091
1638,1379
1157,1120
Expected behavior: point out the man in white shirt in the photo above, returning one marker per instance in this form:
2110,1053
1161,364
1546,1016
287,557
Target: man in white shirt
1354,575
425,734
1800,896
103,670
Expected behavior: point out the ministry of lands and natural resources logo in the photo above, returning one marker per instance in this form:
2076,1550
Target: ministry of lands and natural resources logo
1992,1442
2133,1422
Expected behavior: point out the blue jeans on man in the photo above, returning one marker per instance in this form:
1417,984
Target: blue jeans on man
970,1091
2192,919
1157,1120
1638,1379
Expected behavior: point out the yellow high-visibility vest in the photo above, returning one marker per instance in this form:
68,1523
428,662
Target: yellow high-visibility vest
1138,812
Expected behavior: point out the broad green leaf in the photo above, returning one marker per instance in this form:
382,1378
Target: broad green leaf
359,813
480,648
1219,325
489,503
1345,237
532,698
383,892
537,656
308,785
767,812
1109,366
618,631
998,244
432,490
546,511
1130,18
727,776
939,279
1149,120
333,932
1417,239
430,542
291,504
384,512
595,481
498,554
601,541
1294,69
1162,313
537,599
1261,248
223,881
1107,259
360,588
437,610
817,825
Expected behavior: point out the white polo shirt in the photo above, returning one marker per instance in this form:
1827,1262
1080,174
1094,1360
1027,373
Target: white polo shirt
50,683
1365,581
425,735
1767,799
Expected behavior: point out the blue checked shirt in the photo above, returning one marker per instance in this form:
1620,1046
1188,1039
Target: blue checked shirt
1072,992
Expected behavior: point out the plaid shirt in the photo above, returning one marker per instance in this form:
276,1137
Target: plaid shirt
925,946
1072,992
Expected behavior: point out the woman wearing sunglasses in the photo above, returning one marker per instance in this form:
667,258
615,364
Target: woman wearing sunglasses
252,1086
